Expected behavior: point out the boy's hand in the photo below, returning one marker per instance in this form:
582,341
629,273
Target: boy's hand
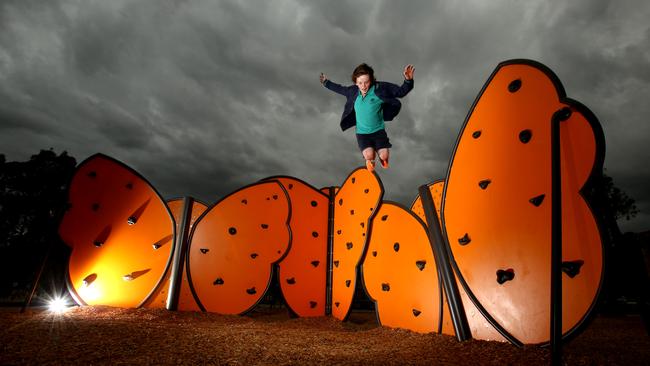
408,72
322,78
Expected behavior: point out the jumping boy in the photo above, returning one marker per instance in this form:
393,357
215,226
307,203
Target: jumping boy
369,103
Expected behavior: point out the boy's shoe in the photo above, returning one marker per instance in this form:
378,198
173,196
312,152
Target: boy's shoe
384,163
370,165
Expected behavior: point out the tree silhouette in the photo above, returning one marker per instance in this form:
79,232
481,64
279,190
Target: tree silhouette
33,196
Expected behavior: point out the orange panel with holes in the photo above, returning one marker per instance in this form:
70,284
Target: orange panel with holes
497,201
399,271
479,327
302,273
121,234
354,205
186,301
234,245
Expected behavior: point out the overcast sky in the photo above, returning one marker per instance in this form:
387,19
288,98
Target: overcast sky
203,97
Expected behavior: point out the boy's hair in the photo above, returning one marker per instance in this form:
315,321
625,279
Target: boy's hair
363,69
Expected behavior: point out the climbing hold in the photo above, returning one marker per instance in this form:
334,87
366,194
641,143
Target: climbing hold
244,201
505,275
232,231
476,134
337,304
338,232
484,183
133,275
251,291
363,225
536,201
366,190
563,114
525,136
204,250
314,203
98,243
384,218
290,186
314,234
514,86
92,174
312,304
421,264
132,220
396,247
348,245
347,283
416,312
385,287
315,263
464,240
95,206
374,253
156,246
340,201
254,255
336,264
351,212
265,226
218,281
353,179
90,279
129,185
572,268
291,281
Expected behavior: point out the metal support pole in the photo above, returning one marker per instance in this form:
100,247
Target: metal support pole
556,236
180,247
442,255
28,300
330,254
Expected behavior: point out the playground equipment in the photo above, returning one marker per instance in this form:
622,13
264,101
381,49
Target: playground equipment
472,257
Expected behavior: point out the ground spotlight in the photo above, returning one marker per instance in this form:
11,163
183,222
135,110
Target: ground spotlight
58,305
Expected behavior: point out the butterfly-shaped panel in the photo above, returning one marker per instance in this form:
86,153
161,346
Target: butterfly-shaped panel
497,201
121,234
234,245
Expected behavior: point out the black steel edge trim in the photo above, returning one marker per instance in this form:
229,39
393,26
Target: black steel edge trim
156,192
298,180
71,290
330,251
180,249
178,198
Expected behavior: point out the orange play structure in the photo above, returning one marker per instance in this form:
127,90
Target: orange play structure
504,248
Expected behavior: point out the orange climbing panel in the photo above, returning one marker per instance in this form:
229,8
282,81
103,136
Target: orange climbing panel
479,327
354,205
186,301
234,245
121,234
399,271
497,202
302,273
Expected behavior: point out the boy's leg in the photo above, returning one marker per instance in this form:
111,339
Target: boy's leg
384,154
369,155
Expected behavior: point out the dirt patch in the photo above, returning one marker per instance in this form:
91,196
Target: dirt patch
105,335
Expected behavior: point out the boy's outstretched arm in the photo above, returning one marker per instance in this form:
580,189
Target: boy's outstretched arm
407,86
332,85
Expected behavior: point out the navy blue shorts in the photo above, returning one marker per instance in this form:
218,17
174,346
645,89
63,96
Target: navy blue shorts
377,140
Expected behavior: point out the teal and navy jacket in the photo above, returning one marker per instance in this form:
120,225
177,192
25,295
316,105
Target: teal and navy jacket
387,92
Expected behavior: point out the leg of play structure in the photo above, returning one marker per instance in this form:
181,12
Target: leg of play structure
330,249
556,237
442,255
28,300
180,247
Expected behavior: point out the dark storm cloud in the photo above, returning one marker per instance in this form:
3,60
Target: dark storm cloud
202,97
